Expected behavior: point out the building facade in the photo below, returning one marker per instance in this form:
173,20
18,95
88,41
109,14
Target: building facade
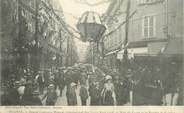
155,42
151,25
154,22
51,37
34,35
115,18
18,29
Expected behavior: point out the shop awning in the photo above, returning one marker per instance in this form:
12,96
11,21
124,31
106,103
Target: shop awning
133,51
156,48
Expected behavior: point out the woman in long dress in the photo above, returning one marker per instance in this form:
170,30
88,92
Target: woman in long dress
108,94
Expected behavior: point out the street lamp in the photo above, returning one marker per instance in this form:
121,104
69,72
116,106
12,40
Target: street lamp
91,27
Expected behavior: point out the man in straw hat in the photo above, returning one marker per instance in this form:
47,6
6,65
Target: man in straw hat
21,88
51,95
36,99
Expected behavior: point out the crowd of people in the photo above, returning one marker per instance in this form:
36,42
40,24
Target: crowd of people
135,87
42,88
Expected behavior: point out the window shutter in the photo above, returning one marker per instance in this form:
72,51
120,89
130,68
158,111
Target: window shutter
154,25
143,26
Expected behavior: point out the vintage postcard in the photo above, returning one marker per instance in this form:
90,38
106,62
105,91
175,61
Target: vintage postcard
83,53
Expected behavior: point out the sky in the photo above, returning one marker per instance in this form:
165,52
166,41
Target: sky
73,10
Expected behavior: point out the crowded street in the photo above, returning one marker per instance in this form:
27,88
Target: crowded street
91,53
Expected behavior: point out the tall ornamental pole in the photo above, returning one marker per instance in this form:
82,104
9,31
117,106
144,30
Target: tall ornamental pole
125,55
36,48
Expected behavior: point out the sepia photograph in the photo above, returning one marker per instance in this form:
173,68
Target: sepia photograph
91,53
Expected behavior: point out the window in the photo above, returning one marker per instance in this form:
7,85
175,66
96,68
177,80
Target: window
148,26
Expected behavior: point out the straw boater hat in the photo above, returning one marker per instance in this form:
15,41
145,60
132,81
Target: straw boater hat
73,84
22,82
17,83
108,77
62,68
51,86
129,73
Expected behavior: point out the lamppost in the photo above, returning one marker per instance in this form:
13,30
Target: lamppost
36,46
91,29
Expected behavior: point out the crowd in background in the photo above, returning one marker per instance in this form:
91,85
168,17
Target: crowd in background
135,87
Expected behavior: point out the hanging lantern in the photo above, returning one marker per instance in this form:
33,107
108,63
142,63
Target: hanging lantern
91,27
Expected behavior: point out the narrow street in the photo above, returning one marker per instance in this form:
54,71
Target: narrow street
100,52
62,101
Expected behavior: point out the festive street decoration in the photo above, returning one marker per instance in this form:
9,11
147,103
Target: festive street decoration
91,27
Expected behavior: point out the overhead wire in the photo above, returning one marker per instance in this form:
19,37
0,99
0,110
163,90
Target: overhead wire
64,24
124,22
